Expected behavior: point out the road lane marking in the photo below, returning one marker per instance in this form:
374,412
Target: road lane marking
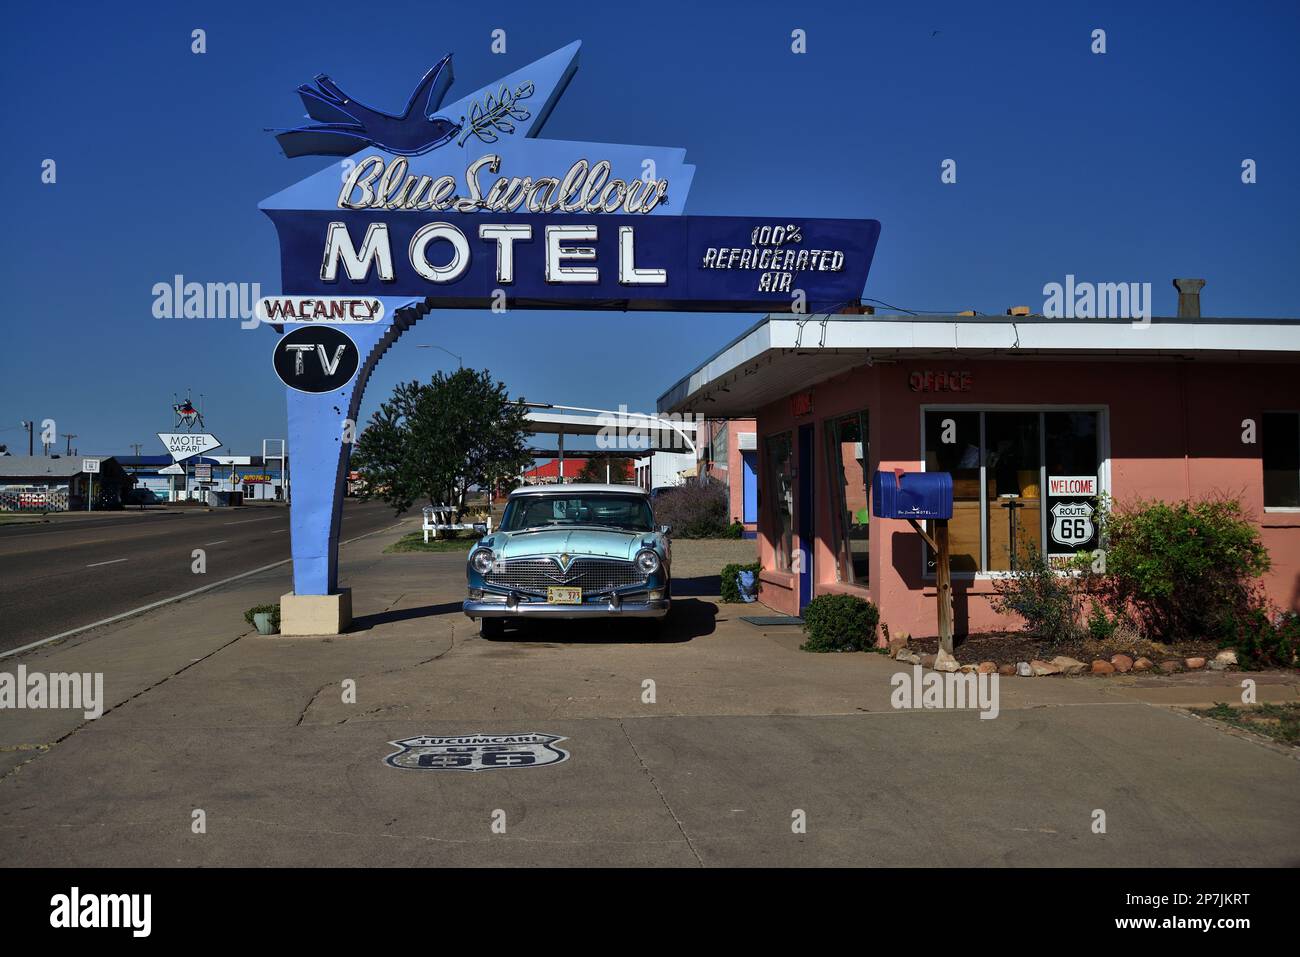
219,541
113,562
250,520
174,598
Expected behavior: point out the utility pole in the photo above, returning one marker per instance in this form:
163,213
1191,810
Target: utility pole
30,446
69,436
137,446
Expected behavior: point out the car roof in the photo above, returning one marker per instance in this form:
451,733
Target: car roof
576,488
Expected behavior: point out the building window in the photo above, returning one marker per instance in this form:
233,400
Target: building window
780,481
719,445
1013,466
1023,480
1281,441
847,457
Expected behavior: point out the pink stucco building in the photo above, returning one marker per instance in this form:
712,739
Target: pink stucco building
1032,417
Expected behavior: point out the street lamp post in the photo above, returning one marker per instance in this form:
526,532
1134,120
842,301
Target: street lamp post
459,360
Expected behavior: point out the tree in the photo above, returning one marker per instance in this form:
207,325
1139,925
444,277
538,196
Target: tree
594,471
432,441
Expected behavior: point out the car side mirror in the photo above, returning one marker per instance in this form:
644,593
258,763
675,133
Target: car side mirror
665,529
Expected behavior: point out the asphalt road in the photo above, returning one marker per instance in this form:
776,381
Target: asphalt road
65,574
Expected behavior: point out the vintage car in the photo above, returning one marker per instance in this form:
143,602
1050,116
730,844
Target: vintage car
571,551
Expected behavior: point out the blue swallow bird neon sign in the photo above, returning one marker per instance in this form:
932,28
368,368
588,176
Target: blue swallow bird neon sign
347,126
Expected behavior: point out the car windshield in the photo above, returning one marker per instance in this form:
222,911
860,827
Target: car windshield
630,512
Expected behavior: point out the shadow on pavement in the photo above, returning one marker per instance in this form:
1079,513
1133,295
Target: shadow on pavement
366,622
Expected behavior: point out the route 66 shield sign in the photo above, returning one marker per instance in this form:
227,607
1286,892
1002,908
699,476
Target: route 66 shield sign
476,752
1072,523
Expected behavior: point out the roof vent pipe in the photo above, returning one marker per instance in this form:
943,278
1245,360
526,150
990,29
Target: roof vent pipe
1189,297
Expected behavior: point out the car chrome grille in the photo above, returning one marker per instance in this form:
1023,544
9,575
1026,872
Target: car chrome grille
595,576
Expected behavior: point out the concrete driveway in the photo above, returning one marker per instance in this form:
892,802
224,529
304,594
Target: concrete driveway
743,740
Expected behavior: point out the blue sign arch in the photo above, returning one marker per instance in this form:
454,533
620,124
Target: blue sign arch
462,205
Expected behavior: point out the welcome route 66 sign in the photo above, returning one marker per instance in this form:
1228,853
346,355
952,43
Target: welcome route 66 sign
476,752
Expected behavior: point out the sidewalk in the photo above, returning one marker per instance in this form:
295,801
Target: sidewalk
742,728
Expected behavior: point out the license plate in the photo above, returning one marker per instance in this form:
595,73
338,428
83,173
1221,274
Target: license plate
564,596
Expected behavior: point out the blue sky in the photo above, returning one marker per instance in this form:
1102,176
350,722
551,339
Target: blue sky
1117,167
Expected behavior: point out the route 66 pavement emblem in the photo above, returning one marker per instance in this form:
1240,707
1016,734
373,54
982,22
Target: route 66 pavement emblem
476,752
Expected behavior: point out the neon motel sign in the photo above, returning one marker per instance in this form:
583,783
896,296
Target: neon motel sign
465,205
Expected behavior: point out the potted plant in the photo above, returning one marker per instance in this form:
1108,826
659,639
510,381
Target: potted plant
265,618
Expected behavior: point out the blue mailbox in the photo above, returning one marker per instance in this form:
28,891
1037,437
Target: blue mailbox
916,495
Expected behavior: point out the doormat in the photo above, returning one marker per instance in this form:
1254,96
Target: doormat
772,619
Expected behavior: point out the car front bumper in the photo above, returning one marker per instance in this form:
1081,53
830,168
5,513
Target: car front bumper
655,608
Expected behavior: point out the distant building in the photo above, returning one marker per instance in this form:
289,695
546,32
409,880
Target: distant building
256,477
554,471
727,451
52,483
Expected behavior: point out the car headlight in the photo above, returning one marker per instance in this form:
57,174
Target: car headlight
481,561
647,560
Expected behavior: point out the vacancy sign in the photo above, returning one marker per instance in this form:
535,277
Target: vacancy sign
90,465
184,445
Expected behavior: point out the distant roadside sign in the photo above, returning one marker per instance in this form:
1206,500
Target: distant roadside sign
184,445
203,473
90,465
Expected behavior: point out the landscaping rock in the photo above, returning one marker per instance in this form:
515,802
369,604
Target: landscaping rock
1122,663
967,669
1194,663
1143,664
1223,659
908,657
945,662
1041,669
897,642
1100,667
1024,670
927,661
1007,669
988,667
1068,666
1169,667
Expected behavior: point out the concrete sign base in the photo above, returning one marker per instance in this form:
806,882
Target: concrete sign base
316,614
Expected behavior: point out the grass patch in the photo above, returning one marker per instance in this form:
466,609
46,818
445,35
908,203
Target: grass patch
1281,722
414,542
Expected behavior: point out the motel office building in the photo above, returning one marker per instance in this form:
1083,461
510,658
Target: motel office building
1175,409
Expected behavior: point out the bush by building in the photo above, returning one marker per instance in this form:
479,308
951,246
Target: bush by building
840,623
1182,570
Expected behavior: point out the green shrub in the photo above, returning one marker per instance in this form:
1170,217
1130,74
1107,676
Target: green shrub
730,585
840,623
273,610
1183,570
1101,627
734,530
1261,641
1050,603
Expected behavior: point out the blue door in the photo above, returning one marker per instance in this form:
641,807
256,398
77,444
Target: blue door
749,486
806,531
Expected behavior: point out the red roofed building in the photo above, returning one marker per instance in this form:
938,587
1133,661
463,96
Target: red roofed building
548,473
